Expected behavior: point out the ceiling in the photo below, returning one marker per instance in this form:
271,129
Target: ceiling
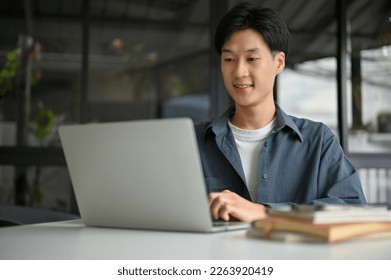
167,30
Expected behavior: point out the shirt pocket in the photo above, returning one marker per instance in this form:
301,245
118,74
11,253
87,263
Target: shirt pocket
215,185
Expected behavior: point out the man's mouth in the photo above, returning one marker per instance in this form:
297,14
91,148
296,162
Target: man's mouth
242,86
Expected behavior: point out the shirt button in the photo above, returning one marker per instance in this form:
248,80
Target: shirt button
264,176
265,144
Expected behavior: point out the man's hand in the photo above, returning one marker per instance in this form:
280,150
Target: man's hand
228,205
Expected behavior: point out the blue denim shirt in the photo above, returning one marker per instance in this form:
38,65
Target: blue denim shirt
300,162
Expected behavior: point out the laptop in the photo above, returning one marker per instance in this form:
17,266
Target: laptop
143,174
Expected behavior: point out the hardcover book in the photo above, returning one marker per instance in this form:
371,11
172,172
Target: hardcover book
324,224
334,213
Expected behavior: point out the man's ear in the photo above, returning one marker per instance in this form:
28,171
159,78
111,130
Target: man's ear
280,62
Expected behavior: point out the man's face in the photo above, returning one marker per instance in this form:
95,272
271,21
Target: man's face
249,68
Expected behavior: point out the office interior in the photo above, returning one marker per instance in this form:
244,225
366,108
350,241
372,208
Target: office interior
81,61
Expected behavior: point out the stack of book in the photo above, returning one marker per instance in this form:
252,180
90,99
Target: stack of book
329,223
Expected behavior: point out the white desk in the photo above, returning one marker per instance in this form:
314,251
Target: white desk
72,240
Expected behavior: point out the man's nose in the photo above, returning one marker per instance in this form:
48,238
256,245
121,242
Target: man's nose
241,69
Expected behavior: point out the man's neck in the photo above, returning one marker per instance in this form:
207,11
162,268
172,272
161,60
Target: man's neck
254,117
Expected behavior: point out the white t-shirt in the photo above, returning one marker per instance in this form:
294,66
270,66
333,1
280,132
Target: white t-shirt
249,143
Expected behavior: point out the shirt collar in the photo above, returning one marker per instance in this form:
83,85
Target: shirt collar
284,120
219,126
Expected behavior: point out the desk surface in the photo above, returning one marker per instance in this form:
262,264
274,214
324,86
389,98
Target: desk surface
73,240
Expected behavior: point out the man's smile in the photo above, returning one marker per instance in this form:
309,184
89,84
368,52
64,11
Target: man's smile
242,86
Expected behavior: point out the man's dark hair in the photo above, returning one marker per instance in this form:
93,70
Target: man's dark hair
261,19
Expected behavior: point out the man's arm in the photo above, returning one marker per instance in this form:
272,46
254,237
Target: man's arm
339,181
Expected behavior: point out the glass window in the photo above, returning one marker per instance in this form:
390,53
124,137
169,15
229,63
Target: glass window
307,87
151,62
309,91
370,55
371,99
147,59
45,78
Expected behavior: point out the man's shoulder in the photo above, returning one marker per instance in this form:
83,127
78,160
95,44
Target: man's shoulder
298,124
309,127
299,121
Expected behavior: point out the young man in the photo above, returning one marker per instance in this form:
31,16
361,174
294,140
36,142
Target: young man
254,155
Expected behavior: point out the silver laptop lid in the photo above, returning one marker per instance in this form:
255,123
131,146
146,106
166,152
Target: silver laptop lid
139,174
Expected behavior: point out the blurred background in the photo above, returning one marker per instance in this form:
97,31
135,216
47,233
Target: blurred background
81,61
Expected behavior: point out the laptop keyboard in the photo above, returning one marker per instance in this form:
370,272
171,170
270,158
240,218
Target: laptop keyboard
222,223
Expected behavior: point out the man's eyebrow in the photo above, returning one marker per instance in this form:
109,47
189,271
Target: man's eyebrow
249,50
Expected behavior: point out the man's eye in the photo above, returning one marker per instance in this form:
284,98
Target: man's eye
252,59
228,59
